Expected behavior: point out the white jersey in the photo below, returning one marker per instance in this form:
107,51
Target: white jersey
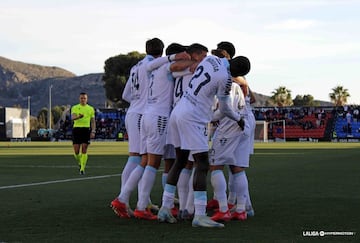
181,83
135,91
228,127
160,89
231,145
211,78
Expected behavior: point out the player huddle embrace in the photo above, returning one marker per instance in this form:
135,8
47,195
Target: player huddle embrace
173,99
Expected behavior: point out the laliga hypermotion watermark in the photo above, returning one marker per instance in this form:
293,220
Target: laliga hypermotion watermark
321,233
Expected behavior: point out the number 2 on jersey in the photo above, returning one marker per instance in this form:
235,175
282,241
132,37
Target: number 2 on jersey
207,77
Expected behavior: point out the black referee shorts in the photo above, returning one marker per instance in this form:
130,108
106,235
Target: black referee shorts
81,135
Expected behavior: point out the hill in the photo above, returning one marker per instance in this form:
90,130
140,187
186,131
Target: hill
19,72
64,91
19,80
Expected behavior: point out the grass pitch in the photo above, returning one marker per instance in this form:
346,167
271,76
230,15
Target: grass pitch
297,190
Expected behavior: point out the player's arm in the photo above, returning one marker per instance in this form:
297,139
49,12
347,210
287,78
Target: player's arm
225,108
252,97
157,62
181,73
225,104
93,125
181,65
75,116
241,81
126,95
217,116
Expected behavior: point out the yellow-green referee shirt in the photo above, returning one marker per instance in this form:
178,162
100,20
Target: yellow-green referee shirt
88,112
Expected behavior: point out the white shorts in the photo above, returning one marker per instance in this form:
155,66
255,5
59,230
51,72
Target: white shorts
132,124
187,135
153,134
230,151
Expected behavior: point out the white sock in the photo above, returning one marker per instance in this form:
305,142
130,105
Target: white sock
131,184
190,200
183,187
200,202
241,183
232,189
131,164
248,204
148,180
168,196
218,182
163,179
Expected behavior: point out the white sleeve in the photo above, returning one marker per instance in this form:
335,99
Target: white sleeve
225,105
157,62
126,95
181,73
217,116
225,108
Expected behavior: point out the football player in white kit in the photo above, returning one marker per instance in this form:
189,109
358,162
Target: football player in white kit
229,49
137,85
249,99
231,147
188,126
135,92
184,186
154,123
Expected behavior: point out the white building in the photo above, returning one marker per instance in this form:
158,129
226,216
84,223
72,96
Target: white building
14,123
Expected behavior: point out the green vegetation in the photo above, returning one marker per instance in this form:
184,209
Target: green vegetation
295,188
339,95
117,70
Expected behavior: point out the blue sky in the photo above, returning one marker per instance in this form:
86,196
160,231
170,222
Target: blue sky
308,46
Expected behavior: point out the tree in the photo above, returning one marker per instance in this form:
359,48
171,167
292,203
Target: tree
43,118
339,95
305,100
56,113
281,97
116,73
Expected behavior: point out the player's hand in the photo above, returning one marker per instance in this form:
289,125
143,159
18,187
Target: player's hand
182,56
241,124
92,135
220,53
80,116
193,67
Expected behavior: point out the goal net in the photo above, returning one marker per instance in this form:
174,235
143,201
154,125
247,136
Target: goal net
274,130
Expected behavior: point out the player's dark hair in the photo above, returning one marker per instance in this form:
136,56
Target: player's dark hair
83,93
228,47
239,66
174,48
196,48
154,47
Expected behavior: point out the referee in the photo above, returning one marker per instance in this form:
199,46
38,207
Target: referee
83,116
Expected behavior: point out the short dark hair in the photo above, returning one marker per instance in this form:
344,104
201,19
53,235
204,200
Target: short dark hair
154,47
196,48
239,66
228,47
174,48
83,93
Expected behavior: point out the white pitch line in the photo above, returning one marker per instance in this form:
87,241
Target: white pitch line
57,181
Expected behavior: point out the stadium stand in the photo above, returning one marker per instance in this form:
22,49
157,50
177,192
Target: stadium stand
347,124
301,123
109,123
